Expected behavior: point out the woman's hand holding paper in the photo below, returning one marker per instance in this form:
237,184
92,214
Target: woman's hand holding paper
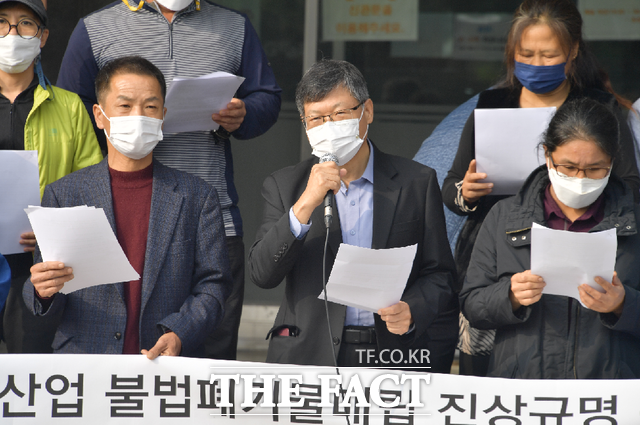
472,191
526,289
611,301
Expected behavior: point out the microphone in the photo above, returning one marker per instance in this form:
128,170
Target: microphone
328,199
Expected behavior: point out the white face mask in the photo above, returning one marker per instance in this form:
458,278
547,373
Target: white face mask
340,138
134,136
575,192
175,5
16,53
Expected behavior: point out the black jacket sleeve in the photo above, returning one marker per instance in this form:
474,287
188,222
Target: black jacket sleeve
484,299
466,152
625,161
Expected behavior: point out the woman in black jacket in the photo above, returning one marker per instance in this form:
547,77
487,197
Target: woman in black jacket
547,64
540,335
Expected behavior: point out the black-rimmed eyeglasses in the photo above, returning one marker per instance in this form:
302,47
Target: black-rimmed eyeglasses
317,120
26,28
594,173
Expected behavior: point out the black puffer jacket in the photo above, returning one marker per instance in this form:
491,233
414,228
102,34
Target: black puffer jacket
556,337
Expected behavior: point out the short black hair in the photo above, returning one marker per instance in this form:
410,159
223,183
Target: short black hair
127,65
584,119
325,76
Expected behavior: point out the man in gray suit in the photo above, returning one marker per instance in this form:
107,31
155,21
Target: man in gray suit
168,223
383,201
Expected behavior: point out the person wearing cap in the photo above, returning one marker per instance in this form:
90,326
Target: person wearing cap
34,115
188,38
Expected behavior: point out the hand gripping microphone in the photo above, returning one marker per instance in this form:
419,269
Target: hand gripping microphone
328,199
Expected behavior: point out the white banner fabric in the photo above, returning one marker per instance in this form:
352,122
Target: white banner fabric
130,389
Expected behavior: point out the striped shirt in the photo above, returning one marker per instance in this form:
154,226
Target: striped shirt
196,43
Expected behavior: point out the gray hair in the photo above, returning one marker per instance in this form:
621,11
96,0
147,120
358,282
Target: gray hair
327,75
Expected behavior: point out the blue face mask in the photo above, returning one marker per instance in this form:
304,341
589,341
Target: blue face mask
540,78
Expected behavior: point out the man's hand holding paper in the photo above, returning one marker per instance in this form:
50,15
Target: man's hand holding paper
232,117
48,278
373,280
191,102
80,237
398,317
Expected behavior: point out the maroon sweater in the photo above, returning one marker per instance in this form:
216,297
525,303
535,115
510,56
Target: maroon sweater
556,219
131,192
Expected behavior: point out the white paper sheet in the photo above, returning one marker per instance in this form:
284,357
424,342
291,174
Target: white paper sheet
191,101
506,145
81,237
19,187
566,260
369,279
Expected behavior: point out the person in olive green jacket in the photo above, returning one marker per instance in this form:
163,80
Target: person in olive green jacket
34,115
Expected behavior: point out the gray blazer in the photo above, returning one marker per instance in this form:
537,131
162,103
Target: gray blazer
186,275
407,209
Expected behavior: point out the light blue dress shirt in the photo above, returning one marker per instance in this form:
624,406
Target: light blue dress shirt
355,208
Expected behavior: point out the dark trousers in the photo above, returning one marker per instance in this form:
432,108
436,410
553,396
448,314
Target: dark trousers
368,355
474,365
223,342
358,355
24,332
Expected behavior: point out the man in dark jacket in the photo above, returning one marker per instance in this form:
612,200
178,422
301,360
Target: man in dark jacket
382,201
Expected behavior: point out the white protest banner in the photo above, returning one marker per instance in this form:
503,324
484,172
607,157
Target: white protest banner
369,20
115,389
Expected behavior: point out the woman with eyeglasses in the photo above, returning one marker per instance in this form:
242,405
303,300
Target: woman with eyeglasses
544,336
547,64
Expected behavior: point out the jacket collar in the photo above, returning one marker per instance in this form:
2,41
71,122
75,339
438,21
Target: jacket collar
528,206
385,198
166,204
193,6
39,96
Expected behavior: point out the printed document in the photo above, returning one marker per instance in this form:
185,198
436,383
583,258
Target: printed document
566,260
191,101
81,237
19,188
369,279
507,145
